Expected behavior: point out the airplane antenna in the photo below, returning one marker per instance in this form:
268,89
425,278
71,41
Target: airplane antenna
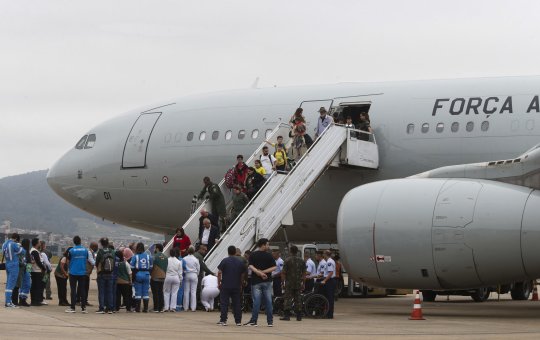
255,83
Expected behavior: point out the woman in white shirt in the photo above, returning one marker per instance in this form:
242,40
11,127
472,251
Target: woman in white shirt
209,291
173,279
191,277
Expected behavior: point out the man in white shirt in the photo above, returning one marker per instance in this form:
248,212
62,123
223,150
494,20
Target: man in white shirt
311,273
268,161
209,234
323,122
329,282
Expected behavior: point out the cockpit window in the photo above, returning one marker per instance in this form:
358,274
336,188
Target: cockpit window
81,142
90,141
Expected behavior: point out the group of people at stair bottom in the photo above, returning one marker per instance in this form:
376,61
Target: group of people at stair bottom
178,281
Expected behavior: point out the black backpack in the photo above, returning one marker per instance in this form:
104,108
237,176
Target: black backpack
107,263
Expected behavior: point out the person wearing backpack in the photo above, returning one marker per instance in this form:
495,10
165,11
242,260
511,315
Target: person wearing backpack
105,268
281,159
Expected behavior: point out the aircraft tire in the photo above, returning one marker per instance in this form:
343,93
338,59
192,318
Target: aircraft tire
521,290
481,294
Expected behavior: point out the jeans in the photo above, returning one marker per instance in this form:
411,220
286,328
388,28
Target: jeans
262,291
105,292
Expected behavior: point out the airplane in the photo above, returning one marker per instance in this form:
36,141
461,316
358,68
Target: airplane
451,204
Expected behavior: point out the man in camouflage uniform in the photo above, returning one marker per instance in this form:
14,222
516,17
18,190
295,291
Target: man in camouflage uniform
214,194
292,277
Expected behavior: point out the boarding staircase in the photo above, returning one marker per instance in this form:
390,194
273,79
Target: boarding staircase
272,206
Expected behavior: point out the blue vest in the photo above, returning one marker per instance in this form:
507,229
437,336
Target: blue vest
78,256
11,250
141,262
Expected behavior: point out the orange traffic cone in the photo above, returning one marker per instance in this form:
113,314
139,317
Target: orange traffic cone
535,292
417,308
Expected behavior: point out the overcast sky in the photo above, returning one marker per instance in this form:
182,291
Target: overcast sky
66,66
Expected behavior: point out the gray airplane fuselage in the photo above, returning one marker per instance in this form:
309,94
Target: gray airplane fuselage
419,125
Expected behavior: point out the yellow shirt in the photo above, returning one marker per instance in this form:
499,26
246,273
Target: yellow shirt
261,170
281,157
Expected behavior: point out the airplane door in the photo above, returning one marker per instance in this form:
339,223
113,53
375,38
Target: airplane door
136,145
311,111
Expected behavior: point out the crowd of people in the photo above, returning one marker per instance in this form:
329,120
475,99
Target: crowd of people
127,276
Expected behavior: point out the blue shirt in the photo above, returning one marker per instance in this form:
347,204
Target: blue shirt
11,250
231,269
78,257
142,262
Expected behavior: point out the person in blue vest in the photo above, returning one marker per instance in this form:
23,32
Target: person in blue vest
78,257
141,265
11,250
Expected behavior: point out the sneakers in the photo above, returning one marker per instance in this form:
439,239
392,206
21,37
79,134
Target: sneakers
270,325
11,305
84,311
70,310
44,303
251,323
100,312
239,324
222,323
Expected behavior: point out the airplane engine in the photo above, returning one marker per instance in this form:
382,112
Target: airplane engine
440,233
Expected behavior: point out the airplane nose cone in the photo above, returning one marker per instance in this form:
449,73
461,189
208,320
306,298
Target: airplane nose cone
54,178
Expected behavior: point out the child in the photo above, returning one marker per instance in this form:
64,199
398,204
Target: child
259,168
281,158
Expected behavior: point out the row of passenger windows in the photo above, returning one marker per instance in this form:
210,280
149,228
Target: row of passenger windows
228,135
86,142
454,127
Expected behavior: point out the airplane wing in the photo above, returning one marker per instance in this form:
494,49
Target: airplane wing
523,170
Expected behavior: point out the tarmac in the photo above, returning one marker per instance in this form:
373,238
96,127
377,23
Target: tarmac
355,318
